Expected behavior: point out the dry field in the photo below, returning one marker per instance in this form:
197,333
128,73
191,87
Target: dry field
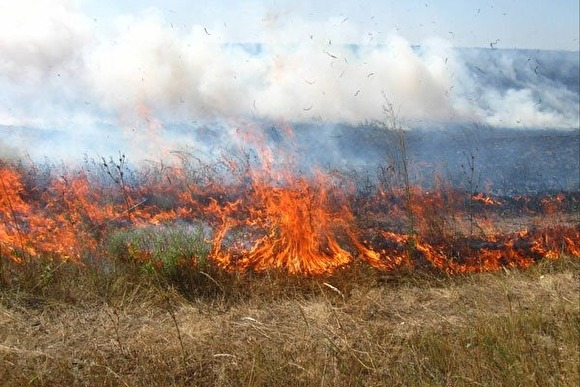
359,326
187,276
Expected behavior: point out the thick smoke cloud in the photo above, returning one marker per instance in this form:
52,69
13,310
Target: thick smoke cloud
63,70
199,75
521,88
42,68
39,36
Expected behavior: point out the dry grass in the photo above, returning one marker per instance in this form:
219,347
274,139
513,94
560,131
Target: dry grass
357,327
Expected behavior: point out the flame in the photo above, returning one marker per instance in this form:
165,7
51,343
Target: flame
269,218
294,229
485,199
12,209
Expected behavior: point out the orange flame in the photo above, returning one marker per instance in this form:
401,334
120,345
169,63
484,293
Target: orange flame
277,221
485,199
294,229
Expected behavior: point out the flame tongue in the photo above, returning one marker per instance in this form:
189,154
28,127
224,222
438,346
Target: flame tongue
299,226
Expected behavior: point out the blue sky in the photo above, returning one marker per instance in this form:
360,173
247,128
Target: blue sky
536,24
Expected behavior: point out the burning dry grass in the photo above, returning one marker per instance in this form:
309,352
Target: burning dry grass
258,219
357,327
181,276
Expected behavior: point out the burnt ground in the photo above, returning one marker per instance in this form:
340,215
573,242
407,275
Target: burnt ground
478,158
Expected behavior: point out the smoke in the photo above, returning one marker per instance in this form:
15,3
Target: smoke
111,81
198,74
521,88
42,69
39,36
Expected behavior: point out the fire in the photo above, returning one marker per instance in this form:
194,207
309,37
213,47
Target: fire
263,218
293,228
12,206
485,199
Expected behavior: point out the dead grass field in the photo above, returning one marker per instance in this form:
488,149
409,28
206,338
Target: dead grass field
356,327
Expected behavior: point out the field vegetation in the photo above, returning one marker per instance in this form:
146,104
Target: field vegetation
216,274
118,323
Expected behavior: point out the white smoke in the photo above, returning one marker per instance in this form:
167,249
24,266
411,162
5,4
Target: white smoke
61,68
198,73
38,37
42,69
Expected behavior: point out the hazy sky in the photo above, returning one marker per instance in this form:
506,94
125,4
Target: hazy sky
538,24
93,70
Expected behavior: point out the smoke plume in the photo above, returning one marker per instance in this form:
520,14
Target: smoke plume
103,82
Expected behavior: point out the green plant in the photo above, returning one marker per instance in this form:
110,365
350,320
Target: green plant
161,249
